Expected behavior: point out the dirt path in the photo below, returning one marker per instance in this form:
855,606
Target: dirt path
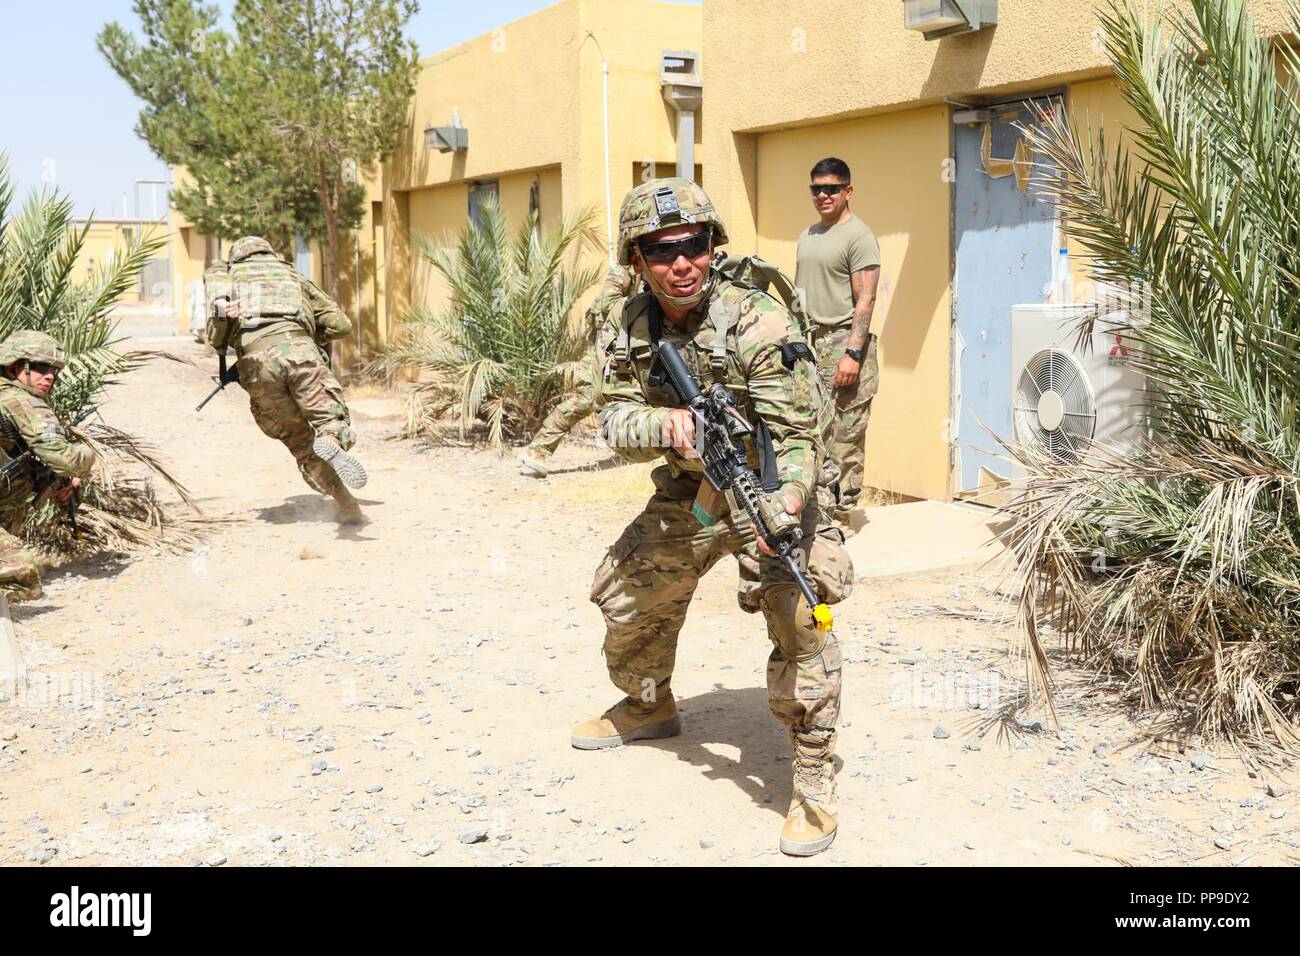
293,692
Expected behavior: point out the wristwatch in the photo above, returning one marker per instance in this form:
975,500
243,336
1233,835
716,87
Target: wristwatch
855,354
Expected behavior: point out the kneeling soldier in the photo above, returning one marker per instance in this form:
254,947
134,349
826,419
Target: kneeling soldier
744,339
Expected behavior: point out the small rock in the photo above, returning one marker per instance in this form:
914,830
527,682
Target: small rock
374,788
940,733
1200,761
706,844
473,835
426,849
1224,843
1275,791
216,859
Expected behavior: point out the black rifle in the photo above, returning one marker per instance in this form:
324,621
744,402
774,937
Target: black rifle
42,475
223,379
720,429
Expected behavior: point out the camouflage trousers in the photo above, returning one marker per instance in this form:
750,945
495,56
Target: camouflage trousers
564,417
847,444
645,584
294,397
20,576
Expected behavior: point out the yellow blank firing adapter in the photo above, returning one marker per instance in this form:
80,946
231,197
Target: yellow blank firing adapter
822,617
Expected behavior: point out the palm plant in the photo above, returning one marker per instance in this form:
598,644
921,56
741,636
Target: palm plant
39,247
1174,569
503,345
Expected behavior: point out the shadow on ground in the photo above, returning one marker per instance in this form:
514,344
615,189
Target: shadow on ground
316,509
740,718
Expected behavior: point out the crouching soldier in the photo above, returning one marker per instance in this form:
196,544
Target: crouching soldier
744,339
30,363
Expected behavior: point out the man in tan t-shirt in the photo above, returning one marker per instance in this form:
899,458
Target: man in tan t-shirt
838,267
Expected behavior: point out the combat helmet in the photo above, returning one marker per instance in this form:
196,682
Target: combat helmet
29,345
249,246
661,203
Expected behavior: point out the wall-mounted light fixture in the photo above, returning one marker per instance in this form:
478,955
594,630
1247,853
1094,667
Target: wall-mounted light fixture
447,139
941,18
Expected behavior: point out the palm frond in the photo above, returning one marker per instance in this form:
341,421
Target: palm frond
497,350
1175,566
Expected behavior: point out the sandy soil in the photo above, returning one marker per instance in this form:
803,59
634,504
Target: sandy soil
293,692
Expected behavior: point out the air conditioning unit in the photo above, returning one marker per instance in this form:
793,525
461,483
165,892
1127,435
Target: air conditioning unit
1067,395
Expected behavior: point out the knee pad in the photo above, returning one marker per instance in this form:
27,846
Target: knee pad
790,623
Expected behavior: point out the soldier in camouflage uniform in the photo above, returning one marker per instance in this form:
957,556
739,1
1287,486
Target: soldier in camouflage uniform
278,323
31,362
745,339
578,404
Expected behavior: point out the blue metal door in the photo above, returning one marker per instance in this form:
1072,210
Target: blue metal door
1005,240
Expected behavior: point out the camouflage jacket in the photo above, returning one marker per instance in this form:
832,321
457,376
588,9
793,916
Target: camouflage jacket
735,338
283,301
42,432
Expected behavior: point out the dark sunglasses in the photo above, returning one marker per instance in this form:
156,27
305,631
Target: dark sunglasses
667,251
830,189
44,368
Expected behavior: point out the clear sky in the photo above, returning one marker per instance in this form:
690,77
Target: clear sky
66,118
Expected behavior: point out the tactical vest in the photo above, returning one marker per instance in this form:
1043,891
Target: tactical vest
638,338
723,311
267,287
268,290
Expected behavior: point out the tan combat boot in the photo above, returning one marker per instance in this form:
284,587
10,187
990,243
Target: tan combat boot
626,721
347,510
810,825
532,464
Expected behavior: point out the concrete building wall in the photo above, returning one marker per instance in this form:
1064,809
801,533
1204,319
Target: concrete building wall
439,213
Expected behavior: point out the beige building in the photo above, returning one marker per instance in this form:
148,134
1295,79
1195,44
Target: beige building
104,240
930,127
788,82
529,98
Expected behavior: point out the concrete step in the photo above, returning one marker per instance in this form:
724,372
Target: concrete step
925,536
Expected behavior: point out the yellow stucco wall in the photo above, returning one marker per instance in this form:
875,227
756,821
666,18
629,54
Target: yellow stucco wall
105,240
439,213
779,63
790,81
530,94
1095,106
907,448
